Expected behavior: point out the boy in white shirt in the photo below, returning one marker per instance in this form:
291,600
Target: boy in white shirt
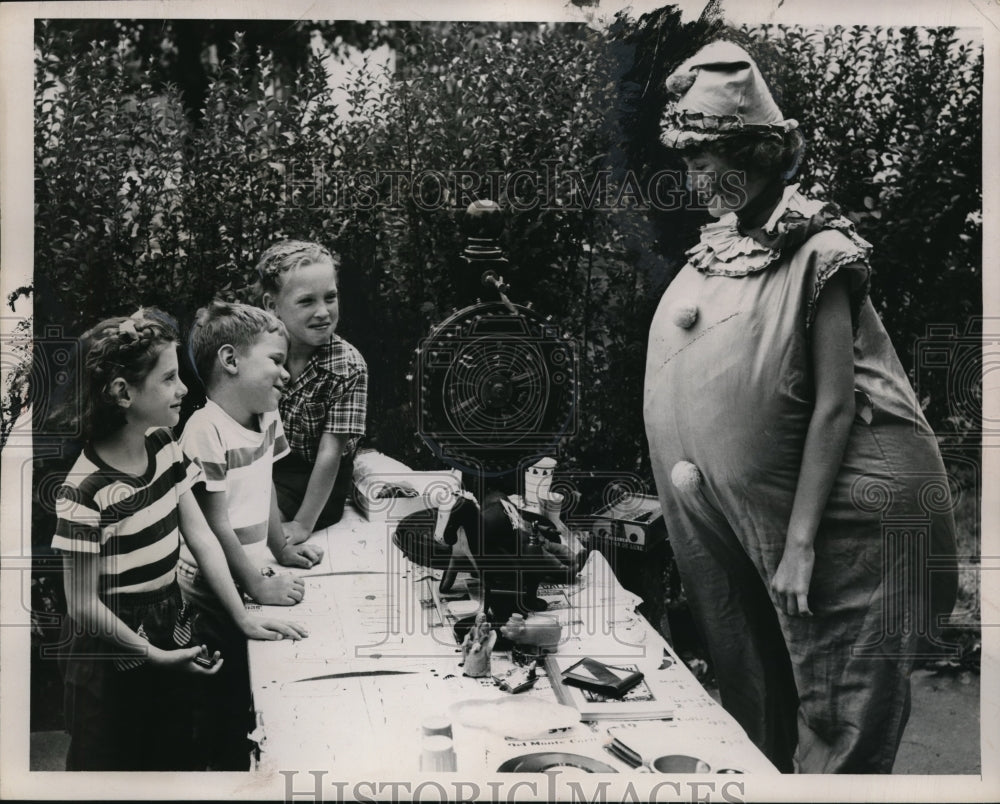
239,353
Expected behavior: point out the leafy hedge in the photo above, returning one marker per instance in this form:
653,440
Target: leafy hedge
138,201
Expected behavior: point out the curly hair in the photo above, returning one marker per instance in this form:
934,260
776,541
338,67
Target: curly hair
221,323
125,347
774,156
287,255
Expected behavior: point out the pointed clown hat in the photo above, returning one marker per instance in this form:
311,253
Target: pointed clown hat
720,92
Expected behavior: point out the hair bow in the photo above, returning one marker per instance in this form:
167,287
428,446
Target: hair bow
127,327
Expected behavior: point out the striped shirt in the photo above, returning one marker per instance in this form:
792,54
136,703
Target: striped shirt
236,461
130,521
329,396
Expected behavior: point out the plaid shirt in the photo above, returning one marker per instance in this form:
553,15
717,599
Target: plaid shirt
329,396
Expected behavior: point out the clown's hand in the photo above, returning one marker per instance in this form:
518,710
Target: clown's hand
790,585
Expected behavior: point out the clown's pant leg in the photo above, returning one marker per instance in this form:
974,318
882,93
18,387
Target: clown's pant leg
737,622
884,572
851,661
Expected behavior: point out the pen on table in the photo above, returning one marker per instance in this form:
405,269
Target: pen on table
342,572
355,674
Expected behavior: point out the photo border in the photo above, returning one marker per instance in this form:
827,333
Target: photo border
16,249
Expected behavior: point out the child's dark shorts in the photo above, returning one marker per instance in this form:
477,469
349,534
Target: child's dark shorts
223,706
123,713
291,478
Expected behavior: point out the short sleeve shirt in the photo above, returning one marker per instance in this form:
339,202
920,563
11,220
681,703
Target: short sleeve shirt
130,521
329,396
238,461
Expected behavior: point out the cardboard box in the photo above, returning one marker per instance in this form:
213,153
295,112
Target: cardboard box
634,522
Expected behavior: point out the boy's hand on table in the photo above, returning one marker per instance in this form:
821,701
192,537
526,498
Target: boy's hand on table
268,629
279,590
300,555
294,532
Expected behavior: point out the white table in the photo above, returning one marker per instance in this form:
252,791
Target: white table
379,659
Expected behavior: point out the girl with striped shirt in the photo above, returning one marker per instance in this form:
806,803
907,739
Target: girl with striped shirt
126,655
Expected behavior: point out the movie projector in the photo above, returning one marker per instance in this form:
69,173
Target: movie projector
494,390
494,383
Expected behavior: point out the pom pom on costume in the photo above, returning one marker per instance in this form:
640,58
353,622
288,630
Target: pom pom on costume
685,476
684,315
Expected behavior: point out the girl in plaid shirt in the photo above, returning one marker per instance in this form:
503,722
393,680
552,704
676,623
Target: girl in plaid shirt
323,408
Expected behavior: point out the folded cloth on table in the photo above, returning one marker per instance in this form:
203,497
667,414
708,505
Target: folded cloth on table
381,477
388,489
370,465
385,490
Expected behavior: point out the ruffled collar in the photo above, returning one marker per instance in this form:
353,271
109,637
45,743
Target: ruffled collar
727,250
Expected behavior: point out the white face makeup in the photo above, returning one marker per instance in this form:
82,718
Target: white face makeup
717,185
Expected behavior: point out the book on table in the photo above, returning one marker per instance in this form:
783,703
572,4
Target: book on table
604,691
608,680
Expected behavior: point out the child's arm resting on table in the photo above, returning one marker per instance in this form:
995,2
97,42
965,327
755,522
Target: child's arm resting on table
86,608
289,553
278,590
826,440
321,480
212,562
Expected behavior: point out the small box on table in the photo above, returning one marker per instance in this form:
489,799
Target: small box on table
633,522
